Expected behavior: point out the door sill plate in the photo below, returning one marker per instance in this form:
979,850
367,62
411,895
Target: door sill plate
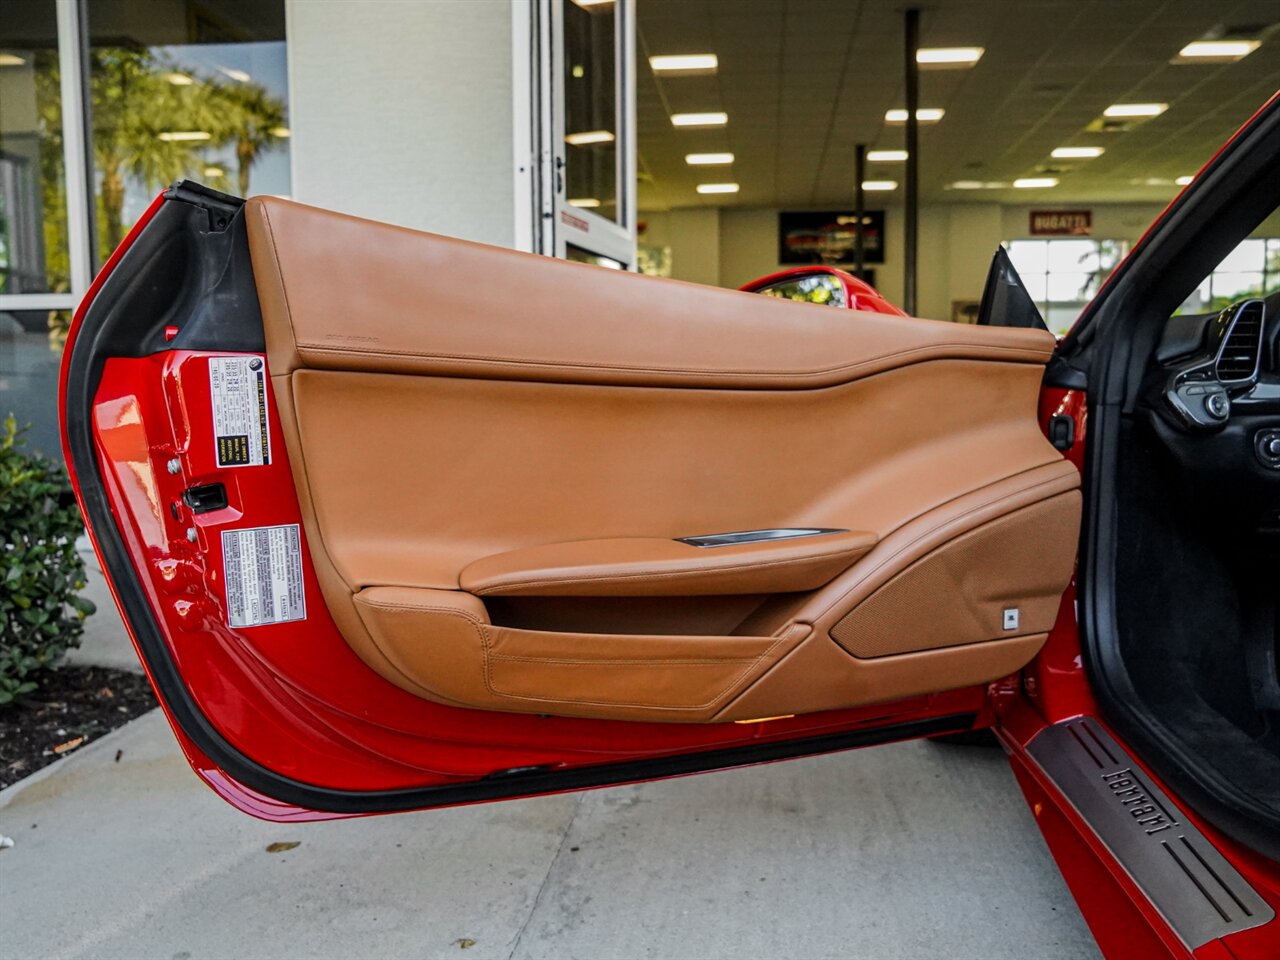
1199,894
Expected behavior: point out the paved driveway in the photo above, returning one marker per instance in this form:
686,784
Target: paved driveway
914,851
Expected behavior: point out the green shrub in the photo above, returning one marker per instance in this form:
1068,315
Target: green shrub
41,612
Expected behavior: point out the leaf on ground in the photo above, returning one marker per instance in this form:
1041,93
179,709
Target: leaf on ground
69,745
464,943
280,846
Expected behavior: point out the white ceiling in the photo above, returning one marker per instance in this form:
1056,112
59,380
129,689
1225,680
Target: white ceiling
803,81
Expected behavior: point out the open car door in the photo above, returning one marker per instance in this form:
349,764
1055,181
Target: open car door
399,521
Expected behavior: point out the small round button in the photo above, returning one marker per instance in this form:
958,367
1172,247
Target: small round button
1217,405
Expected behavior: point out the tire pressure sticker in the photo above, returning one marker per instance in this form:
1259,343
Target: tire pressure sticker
263,571
238,386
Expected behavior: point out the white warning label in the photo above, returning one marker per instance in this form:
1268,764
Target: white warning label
238,386
263,571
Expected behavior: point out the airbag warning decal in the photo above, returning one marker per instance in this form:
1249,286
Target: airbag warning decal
263,573
238,388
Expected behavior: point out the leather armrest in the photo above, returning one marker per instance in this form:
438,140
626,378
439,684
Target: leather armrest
655,567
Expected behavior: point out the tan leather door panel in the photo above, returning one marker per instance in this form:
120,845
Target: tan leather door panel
490,446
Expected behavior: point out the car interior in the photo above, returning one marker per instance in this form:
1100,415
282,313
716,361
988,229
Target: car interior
1181,560
1201,531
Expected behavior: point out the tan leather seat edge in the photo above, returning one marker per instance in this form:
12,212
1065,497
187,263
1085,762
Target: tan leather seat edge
653,567
343,293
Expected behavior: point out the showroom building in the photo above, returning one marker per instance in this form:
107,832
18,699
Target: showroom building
708,141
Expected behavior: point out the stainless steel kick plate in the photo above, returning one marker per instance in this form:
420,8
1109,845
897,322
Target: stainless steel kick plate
1193,886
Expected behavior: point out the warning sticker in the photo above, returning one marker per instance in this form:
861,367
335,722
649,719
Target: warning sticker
238,386
264,575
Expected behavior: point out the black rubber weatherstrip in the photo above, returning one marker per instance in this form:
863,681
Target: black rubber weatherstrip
83,374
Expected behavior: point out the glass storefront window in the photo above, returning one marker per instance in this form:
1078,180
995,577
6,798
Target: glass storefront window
591,108
33,204
1252,269
1063,275
184,91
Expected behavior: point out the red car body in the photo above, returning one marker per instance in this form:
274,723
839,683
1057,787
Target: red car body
304,710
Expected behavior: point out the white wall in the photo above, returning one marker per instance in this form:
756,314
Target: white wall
402,111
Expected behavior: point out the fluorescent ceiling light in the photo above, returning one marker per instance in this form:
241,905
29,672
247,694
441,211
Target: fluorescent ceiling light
1183,181
1135,110
685,63
707,159
879,184
238,75
1209,51
717,188
588,136
977,185
11,60
923,115
177,136
1031,183
280,132
178,79
886,156
699,119
1077,153
948,57
587,202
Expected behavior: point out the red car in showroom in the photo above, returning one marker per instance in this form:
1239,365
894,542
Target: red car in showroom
388,537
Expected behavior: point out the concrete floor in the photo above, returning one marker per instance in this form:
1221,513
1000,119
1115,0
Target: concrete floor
915,851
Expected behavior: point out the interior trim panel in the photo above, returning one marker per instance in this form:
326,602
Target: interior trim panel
498,496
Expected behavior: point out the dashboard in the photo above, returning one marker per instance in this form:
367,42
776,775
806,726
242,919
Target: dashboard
1213,398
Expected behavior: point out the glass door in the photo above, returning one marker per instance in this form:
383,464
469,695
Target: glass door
593,124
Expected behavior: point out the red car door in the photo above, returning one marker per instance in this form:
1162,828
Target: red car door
388,536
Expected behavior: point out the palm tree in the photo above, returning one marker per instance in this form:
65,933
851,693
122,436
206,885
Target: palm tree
250,118
136,112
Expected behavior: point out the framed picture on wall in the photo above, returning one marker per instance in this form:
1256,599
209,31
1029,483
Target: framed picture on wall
829,236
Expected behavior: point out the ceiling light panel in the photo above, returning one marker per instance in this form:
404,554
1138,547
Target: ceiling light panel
1034,183
685,63
1131,110
713,119
886,156
879,186
707,159
923,115
1216,51
948,58
587,137
1077,153
717,188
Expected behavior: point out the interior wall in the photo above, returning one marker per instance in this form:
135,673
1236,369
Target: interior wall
694,238
413,124
955,247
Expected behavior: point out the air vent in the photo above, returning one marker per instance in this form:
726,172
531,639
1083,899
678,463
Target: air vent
1242,346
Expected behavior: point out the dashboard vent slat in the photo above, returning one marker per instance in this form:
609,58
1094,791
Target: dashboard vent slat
1241,349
